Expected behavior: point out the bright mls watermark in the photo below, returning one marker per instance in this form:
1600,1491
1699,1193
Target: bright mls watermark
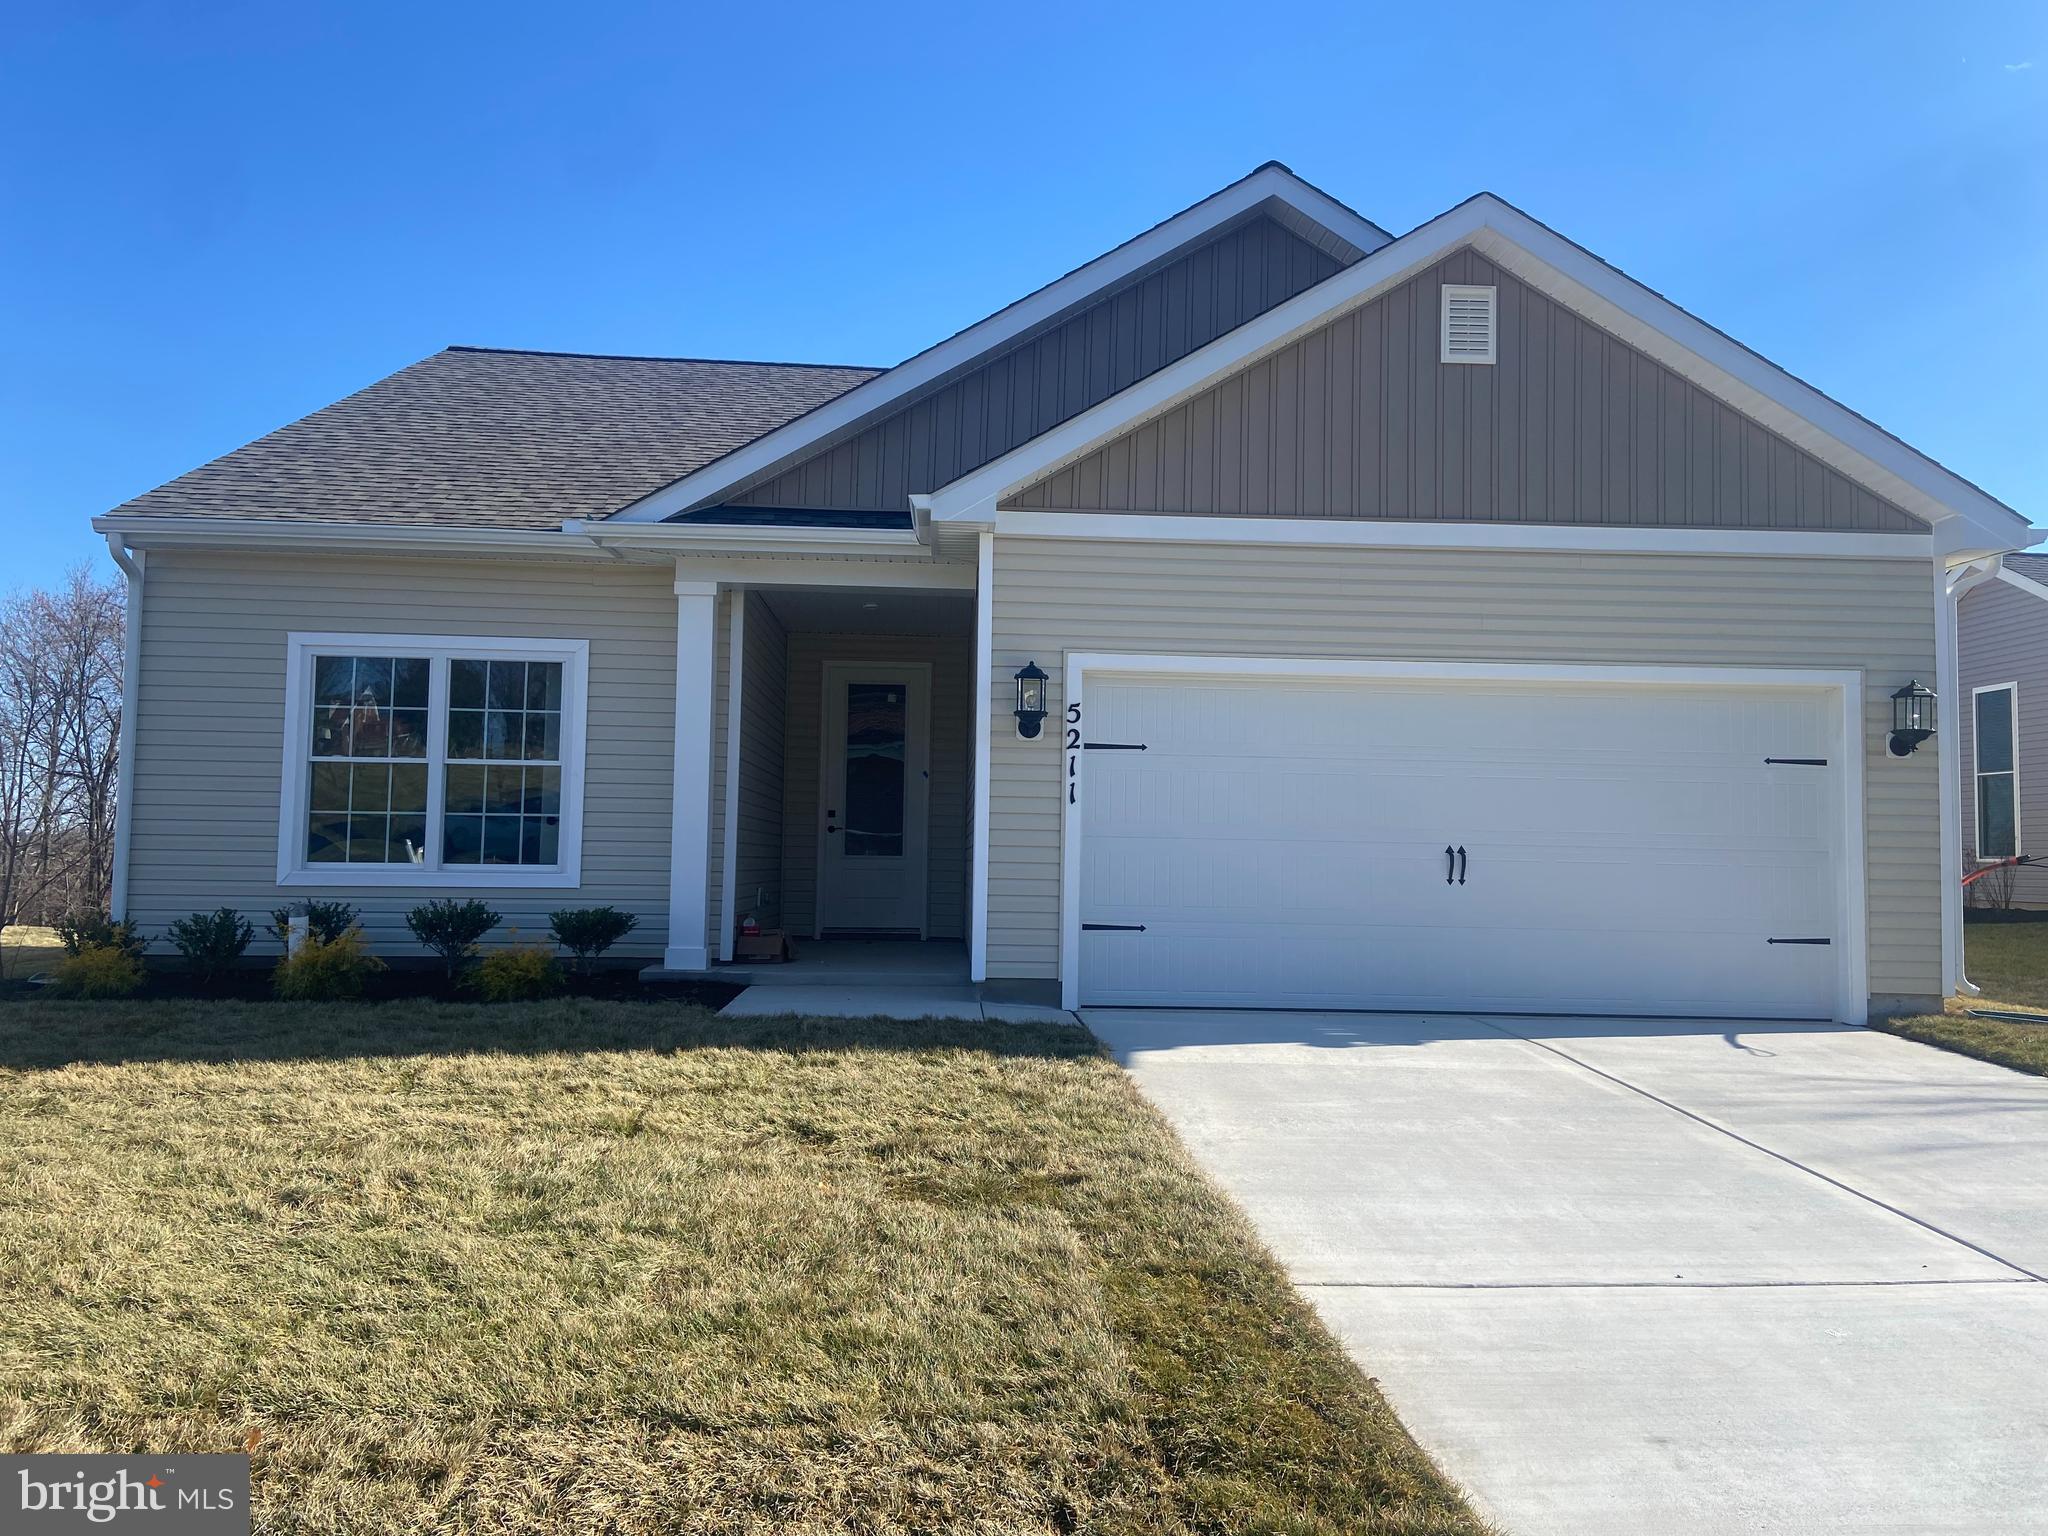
158,1495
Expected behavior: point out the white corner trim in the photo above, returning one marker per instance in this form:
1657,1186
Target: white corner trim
1575,278
301,647
1852,1000
722,475
133,566
735,673
1376,533
984,710
1950,584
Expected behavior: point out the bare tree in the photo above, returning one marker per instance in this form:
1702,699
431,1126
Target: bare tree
60,727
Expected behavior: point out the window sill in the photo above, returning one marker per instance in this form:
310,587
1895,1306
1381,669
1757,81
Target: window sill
474,878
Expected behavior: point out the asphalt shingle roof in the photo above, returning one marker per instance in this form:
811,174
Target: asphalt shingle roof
487,439
2033,567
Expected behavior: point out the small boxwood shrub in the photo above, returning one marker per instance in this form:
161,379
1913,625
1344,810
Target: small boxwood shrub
450,928
324,971
212,942
587,932
325,921
80,931
517,973
98,970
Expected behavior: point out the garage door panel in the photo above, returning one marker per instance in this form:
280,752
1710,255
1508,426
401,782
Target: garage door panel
1626,848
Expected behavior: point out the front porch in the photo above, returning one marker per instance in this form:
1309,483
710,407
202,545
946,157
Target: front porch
835,773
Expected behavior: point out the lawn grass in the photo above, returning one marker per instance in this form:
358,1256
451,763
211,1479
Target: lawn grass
585,1267
2010,962
24,950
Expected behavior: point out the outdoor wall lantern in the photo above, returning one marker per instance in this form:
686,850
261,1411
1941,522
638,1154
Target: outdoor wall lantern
1912,718
1030,700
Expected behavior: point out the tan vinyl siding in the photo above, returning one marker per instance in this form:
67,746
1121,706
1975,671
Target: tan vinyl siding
1034,386
952,707
1361,419
764,686
1055,596
2002,637
210,722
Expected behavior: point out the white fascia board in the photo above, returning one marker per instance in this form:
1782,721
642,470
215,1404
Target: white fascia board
239,533
2026,584
764,453
1580,281
1363,533
747,539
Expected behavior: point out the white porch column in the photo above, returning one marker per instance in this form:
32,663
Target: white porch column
689,854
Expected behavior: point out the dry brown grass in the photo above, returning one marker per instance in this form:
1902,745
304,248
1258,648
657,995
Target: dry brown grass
24,950
588,1267
2010,962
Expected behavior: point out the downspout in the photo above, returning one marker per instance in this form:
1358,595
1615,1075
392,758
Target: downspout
131,564
1950,584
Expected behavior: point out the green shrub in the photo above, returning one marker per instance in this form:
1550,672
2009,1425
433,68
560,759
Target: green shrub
325,921
451,928
98,970
517,973
327,970
80,931
212,942
587,932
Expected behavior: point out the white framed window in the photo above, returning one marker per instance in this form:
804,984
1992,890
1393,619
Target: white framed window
1995,734
433,760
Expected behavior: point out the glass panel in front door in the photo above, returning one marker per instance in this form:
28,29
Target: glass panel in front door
875,787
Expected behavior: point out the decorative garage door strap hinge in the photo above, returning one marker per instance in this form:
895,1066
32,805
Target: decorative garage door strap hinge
1113,746
1112,927
1799,941
1798,762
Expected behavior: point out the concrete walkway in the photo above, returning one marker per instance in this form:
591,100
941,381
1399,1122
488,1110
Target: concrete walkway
1671,1277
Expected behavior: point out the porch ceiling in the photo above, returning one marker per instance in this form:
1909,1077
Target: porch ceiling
854,611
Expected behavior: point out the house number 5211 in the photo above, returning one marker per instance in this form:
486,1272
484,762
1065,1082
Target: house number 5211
1073,748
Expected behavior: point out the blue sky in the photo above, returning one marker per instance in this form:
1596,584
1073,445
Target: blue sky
214,219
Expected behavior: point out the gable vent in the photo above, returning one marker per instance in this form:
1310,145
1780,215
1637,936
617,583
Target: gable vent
1468,324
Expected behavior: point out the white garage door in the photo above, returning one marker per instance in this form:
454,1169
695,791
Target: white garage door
1496,846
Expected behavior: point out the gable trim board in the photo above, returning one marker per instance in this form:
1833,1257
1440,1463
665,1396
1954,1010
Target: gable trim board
1966,519
1269,184
1851,988
2026,584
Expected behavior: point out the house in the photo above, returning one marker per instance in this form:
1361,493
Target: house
2002,657
1438,621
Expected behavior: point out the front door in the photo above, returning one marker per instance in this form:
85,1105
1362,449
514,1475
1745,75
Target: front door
876,781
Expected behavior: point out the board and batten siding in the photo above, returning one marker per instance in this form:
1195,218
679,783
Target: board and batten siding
2002,637
1032,387
1054,596
210,724
952,709
1362,419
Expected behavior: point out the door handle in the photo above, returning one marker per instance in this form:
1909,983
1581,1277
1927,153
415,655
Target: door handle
1461,864
830,828
1450,864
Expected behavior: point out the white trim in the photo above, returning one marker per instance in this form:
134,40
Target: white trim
747,538
984,708
689,846
1977,774
764,453
1852,999
729,855
1574,277
793,572
1451,292
238,532
1374,533
133,566
917,764
1950,585
2026,584
301,647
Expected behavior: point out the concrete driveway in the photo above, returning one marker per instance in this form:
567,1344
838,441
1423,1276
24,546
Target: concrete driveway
1631,1277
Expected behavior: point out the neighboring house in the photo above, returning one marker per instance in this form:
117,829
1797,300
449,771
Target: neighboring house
2002,651
1445,621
